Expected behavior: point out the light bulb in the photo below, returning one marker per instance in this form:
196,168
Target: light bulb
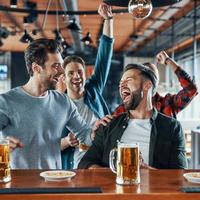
87,42
140,8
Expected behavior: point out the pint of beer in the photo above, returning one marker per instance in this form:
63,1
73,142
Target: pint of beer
5,175
127,163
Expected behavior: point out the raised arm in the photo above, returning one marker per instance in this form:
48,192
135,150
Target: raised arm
189,90
105,11
103,60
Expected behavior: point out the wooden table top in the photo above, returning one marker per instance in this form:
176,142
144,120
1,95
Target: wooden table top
155,184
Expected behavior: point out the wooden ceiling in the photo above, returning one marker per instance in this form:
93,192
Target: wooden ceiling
124,24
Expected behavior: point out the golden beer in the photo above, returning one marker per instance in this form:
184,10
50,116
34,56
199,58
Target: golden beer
4,161
127,164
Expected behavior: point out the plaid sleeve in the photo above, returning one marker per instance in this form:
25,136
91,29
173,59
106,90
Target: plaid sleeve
172,104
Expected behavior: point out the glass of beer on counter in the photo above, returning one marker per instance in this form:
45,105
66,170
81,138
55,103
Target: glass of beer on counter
124,161
5,175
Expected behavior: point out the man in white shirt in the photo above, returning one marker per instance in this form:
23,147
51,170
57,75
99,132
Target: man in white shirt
160,138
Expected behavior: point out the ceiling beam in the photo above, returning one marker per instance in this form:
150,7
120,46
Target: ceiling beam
38,26
60,12
162,25
12,19
184,44
140,28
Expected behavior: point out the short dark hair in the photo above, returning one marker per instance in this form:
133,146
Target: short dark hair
154,68
146,72
73,58
37,52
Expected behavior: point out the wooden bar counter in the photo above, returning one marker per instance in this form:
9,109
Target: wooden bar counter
155,185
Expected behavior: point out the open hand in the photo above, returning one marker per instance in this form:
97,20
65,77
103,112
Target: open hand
105,11
104,121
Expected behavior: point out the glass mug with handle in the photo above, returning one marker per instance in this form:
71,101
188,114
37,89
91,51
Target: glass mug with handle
127,163
5,175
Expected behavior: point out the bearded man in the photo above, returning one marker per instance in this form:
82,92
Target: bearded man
32,116
160,138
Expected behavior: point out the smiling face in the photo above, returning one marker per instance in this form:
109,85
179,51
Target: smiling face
131,88
75,78
51,70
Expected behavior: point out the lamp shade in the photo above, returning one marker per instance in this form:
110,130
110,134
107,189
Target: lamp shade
87,39
65,45
74,26
26,38
58,36
155,3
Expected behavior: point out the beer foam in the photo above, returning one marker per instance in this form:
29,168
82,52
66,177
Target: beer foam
126,145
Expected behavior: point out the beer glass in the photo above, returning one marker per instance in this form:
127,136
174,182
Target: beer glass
5,175
124,161
83,147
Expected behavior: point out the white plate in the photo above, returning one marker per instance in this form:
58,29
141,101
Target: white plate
193,177
57,175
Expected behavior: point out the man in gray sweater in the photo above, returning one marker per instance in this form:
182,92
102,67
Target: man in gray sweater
33,116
